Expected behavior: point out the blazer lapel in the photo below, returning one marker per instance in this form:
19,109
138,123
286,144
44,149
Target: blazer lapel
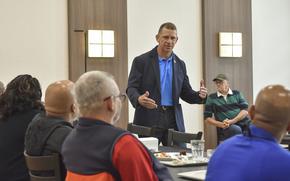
156,70
175,67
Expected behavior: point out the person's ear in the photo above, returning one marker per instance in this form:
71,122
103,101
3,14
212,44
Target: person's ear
73,108
157,38
252,112
110,104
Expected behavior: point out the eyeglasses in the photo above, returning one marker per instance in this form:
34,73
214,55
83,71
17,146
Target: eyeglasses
121,96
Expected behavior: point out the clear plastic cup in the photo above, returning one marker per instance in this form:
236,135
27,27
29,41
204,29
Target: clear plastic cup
197,148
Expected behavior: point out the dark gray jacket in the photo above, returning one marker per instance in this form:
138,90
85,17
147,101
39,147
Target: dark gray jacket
45,136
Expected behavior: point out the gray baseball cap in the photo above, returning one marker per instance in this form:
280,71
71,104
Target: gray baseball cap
220,77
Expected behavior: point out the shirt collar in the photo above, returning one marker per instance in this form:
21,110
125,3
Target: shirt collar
261,133
168,59
230,92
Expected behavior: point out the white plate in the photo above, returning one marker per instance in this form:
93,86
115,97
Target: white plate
170,156
198,175
174,159
179,163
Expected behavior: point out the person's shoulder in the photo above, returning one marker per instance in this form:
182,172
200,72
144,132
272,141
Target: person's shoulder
239,94
282,152
62,130
128,145
279,157
213,95
36,121
37,117
286,157
236,92
228,143
29,114
146,55
128,140
178,60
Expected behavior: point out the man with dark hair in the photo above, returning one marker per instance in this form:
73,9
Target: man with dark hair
229,108
46,133
257,155
157,80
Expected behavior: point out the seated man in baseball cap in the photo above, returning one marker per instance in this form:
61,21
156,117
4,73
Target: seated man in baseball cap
226,109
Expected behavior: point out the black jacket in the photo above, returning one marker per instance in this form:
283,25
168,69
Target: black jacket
12,131
45,136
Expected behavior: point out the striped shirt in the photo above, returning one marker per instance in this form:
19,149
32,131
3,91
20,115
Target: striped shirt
225,108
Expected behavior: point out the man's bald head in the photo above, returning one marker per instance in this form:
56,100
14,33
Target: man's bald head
272,108
59,98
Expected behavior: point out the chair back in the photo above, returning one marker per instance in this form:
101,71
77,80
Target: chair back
181,137
36,164
140,130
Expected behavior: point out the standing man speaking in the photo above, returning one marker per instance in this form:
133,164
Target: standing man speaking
157,80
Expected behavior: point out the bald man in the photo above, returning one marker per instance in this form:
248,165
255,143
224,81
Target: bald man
46,133
257,155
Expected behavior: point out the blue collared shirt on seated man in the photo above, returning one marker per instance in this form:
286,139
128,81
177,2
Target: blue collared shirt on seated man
248,157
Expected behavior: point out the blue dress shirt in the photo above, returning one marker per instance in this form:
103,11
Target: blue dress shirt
165,66
253,157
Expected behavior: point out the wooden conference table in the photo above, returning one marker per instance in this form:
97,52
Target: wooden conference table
175,170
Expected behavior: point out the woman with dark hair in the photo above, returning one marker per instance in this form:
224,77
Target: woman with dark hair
20,102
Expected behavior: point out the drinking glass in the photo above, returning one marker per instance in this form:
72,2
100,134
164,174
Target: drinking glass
197,148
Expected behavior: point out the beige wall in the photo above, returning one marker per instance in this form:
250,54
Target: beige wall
271,43
33,39
144,19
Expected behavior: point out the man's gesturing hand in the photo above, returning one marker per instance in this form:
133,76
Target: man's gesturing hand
202,90
145,101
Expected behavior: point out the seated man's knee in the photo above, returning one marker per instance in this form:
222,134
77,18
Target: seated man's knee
235,129
232,130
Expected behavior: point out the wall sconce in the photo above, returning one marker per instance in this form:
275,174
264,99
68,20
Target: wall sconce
101,43
230,44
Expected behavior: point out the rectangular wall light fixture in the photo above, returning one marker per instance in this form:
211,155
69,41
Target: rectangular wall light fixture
101,43
230,44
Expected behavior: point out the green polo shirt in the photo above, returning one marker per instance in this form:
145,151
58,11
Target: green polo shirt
225,108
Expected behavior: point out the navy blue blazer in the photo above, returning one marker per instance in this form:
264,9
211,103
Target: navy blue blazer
145,76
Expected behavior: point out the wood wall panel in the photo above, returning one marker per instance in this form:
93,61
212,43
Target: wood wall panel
77,62
84,15
227,16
